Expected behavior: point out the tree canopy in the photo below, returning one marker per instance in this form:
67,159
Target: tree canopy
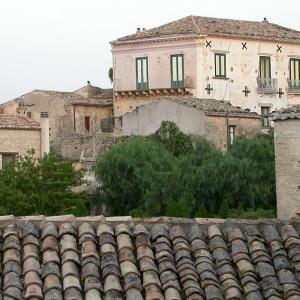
31,186
171,173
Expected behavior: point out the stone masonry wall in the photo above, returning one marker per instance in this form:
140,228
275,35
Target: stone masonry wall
20,141
217,128
73,145
287,158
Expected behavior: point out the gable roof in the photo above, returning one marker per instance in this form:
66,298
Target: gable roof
292,112
160,258
99,97
197,25
17,122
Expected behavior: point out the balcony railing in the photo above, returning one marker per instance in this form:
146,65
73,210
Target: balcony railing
294,86
267,85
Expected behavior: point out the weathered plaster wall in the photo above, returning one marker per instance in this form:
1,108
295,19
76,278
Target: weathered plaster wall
158,63
287,158
96,114
217,128
20,141
243,70
145,120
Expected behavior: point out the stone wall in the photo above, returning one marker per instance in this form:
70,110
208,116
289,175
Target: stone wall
74,144
287,158
19,141
217,128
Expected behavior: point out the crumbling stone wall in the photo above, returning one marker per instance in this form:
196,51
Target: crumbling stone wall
287,159
74,144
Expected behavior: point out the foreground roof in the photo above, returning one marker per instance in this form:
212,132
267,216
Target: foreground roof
288,113
154,259
196,25
17,122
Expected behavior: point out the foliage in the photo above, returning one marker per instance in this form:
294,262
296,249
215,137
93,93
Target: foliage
168,173
111,74
135,176
251,214
30,186
173,139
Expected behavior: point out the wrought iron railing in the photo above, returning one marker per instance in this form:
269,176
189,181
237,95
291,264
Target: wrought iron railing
267,85
294,86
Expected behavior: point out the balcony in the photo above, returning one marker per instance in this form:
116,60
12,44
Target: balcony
294,86
267,85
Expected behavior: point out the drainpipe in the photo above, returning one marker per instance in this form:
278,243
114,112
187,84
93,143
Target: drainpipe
227,129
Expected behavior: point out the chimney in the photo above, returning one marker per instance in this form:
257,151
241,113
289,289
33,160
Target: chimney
144,29
265,20
138,30
45,139
88,83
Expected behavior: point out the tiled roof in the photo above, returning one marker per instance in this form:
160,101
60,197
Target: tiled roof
97,258
196,25
288,113
17,122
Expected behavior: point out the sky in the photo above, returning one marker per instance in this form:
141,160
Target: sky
60,44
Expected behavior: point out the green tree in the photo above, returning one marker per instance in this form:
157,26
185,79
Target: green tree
31,186
135,178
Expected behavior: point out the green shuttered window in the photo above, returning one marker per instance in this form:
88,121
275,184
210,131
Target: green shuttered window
142,80
220,65
177,71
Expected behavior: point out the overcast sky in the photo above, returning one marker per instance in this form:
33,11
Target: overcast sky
60,44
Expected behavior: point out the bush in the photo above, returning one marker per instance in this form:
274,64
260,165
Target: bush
31,186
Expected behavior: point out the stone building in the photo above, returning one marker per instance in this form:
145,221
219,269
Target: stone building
18,134
218,121
253,65
287,151
77,120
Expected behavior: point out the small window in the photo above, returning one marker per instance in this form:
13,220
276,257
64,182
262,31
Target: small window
265,116
29,114
87,124
295,70
44,114
7,158
231,134
265,67
220,65
107,125
177,71
142,82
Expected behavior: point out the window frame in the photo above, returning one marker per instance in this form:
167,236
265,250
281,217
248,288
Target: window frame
87,129
219,55
264,117
231,140
177,83
261,58
292,59
144,85
11,154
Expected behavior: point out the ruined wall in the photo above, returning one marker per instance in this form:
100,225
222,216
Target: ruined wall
20,141
287,158
73,145
217,128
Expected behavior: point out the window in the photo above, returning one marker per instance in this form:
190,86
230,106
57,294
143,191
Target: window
29,114
44,114
177,71
220,65
295,73
142,82
107,125
231,134
6,159
87,124
265,116
265,67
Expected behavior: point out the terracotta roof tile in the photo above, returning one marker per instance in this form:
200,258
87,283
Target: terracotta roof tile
158,261
196,25
17,122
